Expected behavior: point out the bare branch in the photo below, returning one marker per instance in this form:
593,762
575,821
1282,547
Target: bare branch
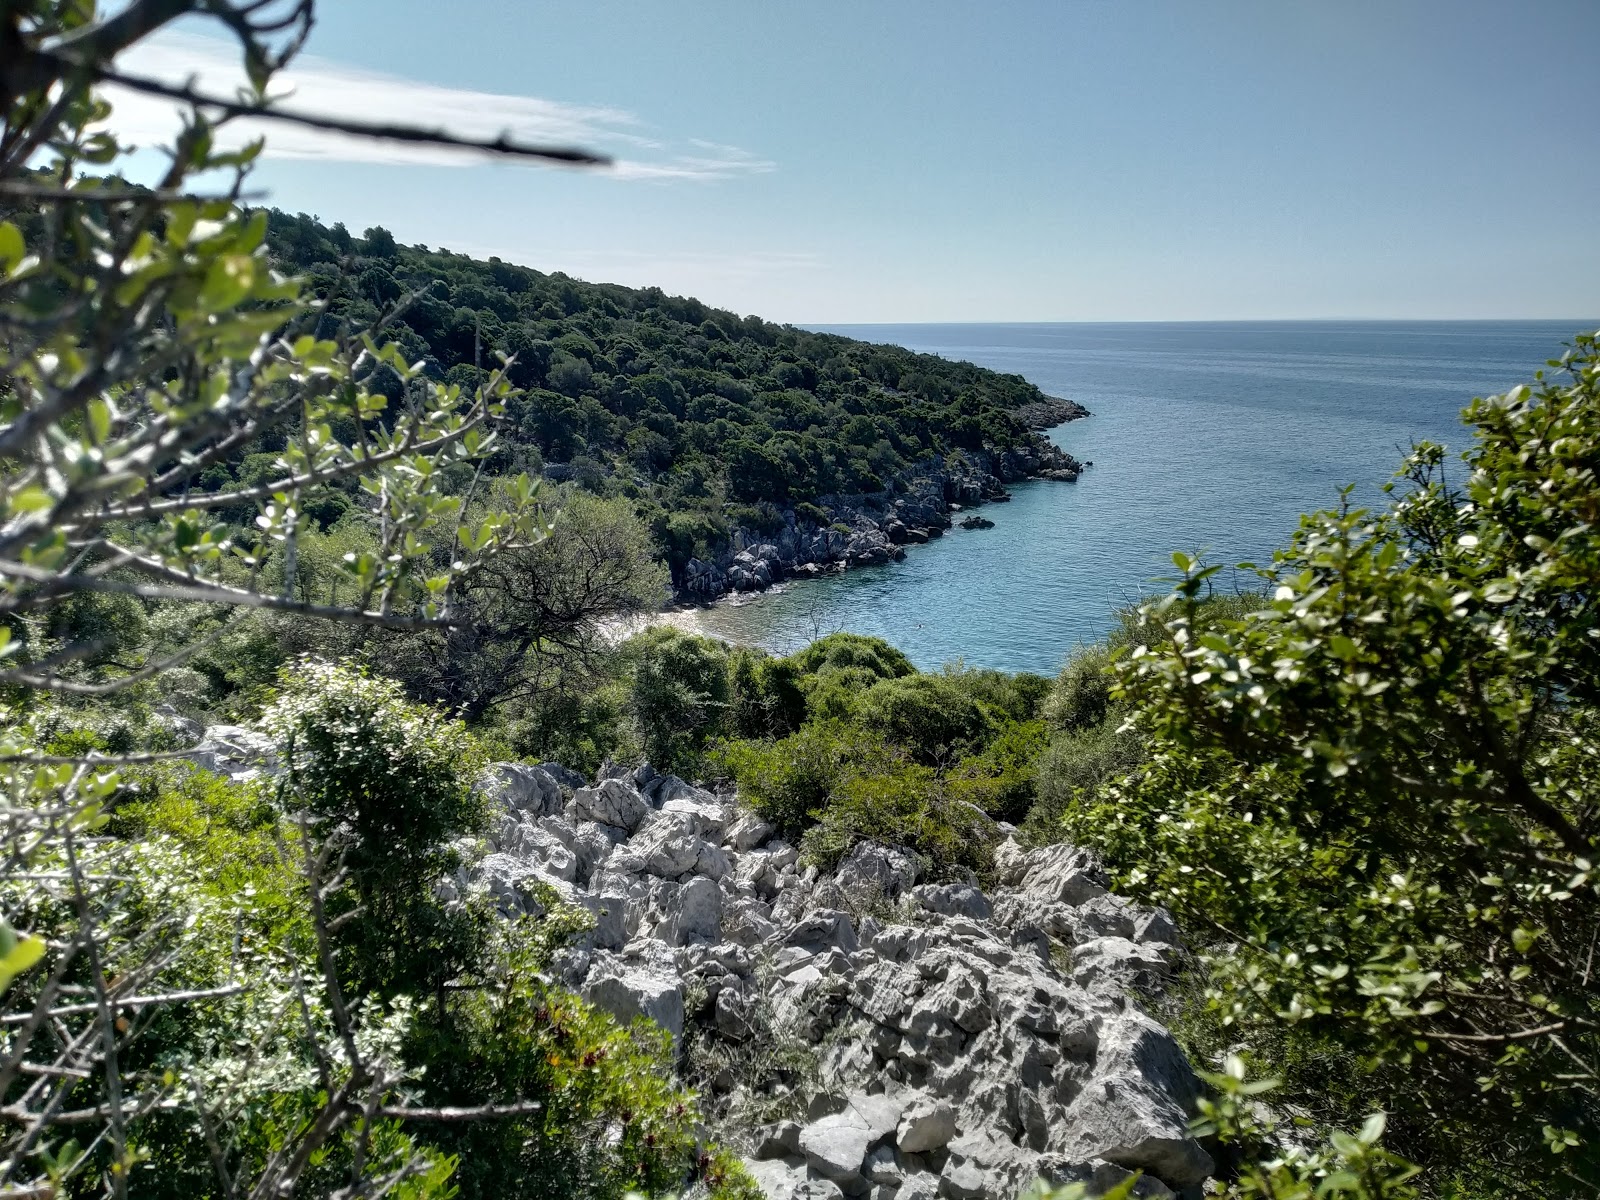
377,131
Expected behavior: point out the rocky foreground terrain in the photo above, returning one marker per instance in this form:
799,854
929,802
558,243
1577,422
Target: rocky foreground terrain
879,1036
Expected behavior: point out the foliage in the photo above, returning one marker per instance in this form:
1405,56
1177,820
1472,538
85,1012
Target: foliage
532,623
389,784
702,417
932,715
613,1119
1351,1164
678,694
1378,790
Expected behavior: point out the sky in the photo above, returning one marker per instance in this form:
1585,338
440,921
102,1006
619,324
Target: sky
1010,160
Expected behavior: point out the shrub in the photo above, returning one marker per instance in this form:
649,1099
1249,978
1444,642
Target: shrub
790,781
933,716
391,782
1379,785
853,650
678,695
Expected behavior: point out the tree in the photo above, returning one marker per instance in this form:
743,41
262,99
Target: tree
145,341
533,619
678,695
1378,793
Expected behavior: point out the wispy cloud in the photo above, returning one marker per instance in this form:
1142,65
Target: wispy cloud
323,86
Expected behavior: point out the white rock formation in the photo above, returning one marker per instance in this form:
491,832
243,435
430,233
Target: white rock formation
957,1059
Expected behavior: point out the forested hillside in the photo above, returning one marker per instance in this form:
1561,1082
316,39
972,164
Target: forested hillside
705,420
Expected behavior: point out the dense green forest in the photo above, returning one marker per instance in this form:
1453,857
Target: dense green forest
705,420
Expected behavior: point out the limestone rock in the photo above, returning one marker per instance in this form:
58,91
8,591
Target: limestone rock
748,831
1134,1111
880,1113
954,900
920,1185
628,988
518,787
778,1141
614,802
240,754
873,871
927,1124
835,1146
778,1178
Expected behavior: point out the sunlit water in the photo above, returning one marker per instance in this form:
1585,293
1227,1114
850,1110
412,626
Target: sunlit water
1206,438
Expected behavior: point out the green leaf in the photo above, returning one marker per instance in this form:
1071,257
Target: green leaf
23,953
1372,1129
12,248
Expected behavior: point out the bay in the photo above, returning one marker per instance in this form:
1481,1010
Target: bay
1207,438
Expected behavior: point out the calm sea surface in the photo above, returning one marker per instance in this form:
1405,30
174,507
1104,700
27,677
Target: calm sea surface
1205,437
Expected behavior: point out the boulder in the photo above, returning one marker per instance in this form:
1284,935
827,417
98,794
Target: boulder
778,1178
694,914
566,778
748,831
873,871
669,846
965,1180
836,1146
240,754
880,1113
1115,964
1135,1109
614,802
927,1124
954,900
919,1185
882,1166
628,988
517,787
822,930
779,1140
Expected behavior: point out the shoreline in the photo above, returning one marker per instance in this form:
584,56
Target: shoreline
875,528
689,612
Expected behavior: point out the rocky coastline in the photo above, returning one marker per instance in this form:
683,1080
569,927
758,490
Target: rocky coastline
875,528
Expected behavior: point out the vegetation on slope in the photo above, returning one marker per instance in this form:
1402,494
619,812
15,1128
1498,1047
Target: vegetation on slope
705,420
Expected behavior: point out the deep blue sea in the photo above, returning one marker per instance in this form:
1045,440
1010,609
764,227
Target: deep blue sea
1204,437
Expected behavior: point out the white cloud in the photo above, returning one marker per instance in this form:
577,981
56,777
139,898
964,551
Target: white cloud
326,87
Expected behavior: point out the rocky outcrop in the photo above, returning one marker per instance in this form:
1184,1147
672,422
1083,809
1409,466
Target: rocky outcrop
1048,412
962,1041
867,530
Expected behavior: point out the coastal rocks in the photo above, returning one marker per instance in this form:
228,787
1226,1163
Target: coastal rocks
962,1042
872,529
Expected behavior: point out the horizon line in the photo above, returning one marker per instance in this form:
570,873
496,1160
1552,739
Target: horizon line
1582,322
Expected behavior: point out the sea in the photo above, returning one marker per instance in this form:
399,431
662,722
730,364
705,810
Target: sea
1208,438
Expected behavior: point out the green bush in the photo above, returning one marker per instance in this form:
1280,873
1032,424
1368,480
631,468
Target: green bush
391,782
678,695
889,799
1379,788
791,780
838,650
934,716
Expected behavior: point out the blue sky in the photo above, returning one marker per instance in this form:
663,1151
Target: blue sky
925,160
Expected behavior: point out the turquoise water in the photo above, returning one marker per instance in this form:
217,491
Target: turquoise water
1205,437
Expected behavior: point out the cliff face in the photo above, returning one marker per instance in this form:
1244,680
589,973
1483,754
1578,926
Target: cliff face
878,1035
865,530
